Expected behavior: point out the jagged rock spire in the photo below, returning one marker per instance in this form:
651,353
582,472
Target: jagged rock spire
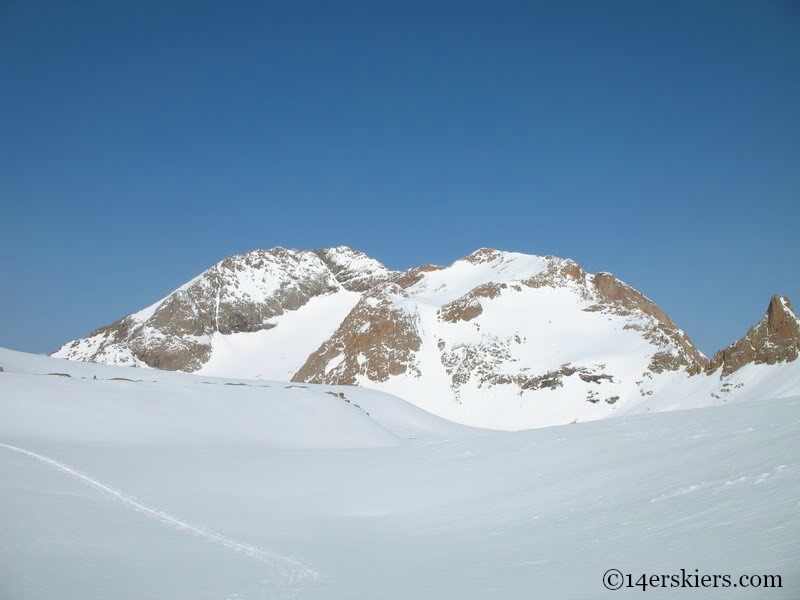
775,338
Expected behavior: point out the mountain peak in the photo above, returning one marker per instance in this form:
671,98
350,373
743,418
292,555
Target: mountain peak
353,269
781,319
482,255
526,331
775,338
489,255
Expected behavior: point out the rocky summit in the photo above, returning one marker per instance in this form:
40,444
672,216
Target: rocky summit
774,339
497,339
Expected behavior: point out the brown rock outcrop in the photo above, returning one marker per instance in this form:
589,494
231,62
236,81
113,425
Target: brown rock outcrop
376,340
468,306
465,308
616,297
354,270
559,272
382,334
405,279
774,339
483,255
239,294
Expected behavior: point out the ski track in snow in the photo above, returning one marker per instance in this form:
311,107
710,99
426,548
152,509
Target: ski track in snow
291,570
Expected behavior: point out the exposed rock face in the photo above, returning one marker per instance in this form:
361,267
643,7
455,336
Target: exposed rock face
240,294
561,273
353,269
378,339
465,308
612,296
457,315
483,255
493,326
479,362
677,350
774,339
408,278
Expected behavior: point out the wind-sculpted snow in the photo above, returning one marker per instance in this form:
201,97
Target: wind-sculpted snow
182,487
128,404
281,567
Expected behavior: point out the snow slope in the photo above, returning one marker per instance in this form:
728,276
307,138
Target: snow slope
497,339
183,487
126,405
556,331
278,353
510,341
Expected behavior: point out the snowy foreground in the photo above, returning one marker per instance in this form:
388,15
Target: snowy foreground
186,487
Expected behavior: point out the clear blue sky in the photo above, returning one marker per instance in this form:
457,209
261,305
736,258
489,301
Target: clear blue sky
141,142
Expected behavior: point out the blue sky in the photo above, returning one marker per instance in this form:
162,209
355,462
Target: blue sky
141,142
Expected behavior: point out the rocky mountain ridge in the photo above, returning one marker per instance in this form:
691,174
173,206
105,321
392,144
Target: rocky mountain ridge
494,331
774,339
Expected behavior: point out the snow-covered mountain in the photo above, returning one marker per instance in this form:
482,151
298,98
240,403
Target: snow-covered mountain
246,293
496,339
